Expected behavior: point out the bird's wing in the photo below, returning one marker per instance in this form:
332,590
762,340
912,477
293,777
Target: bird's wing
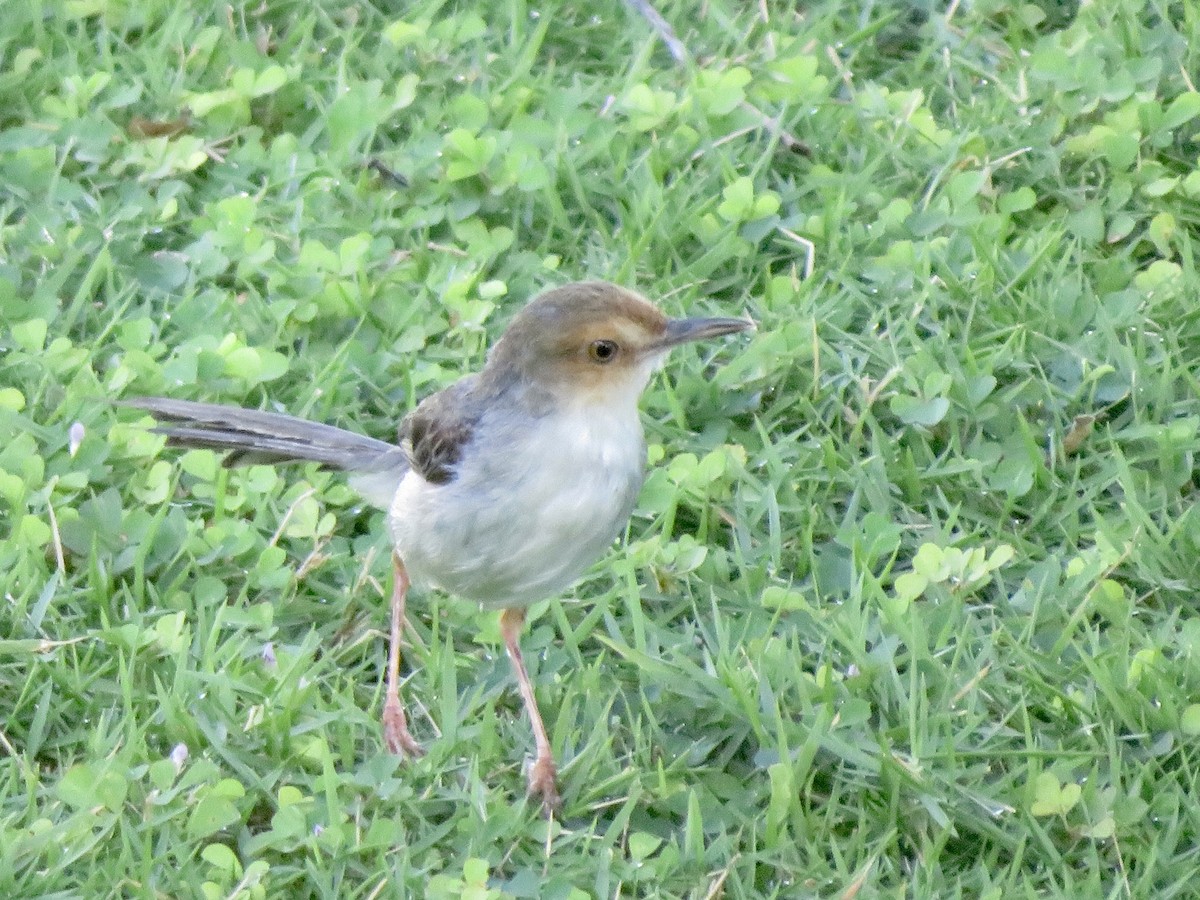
436,432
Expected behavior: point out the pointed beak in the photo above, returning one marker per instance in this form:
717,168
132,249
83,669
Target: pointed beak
684,331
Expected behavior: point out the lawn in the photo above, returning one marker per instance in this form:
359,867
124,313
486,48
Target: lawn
908,607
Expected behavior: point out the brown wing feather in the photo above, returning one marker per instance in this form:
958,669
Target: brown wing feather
436,432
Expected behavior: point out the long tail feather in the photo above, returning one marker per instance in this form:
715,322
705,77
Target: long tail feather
253,436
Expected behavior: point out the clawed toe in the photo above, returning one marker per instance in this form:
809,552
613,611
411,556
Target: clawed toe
543,785
396,735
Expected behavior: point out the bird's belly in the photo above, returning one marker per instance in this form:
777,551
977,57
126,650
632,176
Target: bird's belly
520,526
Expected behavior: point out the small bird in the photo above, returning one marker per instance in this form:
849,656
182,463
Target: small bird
503,487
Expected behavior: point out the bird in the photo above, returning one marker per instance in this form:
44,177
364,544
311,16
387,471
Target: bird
502,488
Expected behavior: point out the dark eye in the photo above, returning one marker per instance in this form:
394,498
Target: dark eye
603,351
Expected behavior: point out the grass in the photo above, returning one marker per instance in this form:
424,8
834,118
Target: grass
908,605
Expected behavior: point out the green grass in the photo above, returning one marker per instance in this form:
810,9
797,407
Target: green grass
895,617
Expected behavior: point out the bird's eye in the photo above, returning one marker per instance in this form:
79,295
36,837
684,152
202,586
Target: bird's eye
603,351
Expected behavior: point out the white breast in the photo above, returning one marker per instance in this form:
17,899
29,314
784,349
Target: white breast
527,513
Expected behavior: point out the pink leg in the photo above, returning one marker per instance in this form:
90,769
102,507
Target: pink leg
395,726
542,772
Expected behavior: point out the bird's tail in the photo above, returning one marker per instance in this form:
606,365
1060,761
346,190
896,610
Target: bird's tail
252,436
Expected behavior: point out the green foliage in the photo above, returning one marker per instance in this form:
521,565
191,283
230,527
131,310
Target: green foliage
908,605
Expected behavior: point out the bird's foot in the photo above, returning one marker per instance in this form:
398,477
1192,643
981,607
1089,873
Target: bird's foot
396,734
543,784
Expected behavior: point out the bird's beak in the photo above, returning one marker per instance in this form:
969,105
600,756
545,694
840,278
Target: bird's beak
684,331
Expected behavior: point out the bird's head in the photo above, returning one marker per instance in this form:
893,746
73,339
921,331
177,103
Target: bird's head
595,342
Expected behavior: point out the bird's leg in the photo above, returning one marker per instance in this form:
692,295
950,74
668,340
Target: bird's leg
542,772
395,725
